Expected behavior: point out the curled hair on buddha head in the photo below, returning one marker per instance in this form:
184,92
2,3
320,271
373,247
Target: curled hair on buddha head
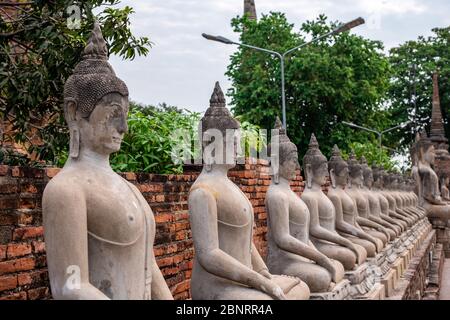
314,156
93,77
336,162
285,148
217,116
354,166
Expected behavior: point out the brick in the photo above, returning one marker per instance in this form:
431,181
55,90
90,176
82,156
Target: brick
5,234
22,264
181,287
28,188
15,296
51,172
32,278
8,186
130,176
16,172
3,252
164,262
24,217
8,203
38,293
38,246
4,170
8,219
161,218
28,232
159,198
27,203
8,283
182,296
18,250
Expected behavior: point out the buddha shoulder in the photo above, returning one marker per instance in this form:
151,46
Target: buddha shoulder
63,190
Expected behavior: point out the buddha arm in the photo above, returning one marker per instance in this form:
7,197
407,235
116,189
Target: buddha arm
66,240
258,262
346,227
278,209
316,230
372,224
203,218
429,189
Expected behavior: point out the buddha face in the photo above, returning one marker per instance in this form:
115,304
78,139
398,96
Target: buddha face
289,167
429,155
221,148
320,173
341,177
103,131
378,182
356,176
368,179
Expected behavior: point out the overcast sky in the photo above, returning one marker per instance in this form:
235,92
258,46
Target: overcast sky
182,67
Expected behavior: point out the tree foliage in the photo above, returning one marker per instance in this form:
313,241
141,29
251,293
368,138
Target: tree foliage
38,51
342,78
413,64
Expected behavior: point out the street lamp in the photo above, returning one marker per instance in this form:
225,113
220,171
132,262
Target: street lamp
341,28
379,133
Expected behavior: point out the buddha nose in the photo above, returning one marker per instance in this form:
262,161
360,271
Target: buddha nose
123,126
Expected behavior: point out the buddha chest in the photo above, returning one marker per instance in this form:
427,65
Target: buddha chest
298,218
115,213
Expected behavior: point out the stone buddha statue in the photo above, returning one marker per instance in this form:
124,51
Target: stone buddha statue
356,192
323,216
290,250
405,198
345,206
99,229
394,210
374,203
445,194
431,199
386,214
227,265
397,194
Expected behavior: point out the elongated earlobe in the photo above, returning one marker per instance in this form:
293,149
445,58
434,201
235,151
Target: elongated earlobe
74,143
308,176
333,179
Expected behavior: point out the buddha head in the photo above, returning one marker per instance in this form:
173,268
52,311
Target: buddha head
338,168
315,164
219,132
377,173
367,173
95,101
425,150
284,160
355,171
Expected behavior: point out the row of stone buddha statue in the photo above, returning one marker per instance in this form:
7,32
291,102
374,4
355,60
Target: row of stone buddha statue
314,238
99,229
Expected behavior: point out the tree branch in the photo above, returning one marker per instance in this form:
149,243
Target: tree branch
15,4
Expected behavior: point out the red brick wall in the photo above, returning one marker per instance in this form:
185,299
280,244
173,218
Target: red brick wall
23,272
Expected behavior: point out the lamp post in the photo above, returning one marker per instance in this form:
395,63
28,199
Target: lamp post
342,28
378,133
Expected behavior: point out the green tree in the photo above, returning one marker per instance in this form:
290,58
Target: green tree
38,51
413,64
342,78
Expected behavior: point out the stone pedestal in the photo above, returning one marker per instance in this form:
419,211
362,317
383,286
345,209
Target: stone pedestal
342,291
363,284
